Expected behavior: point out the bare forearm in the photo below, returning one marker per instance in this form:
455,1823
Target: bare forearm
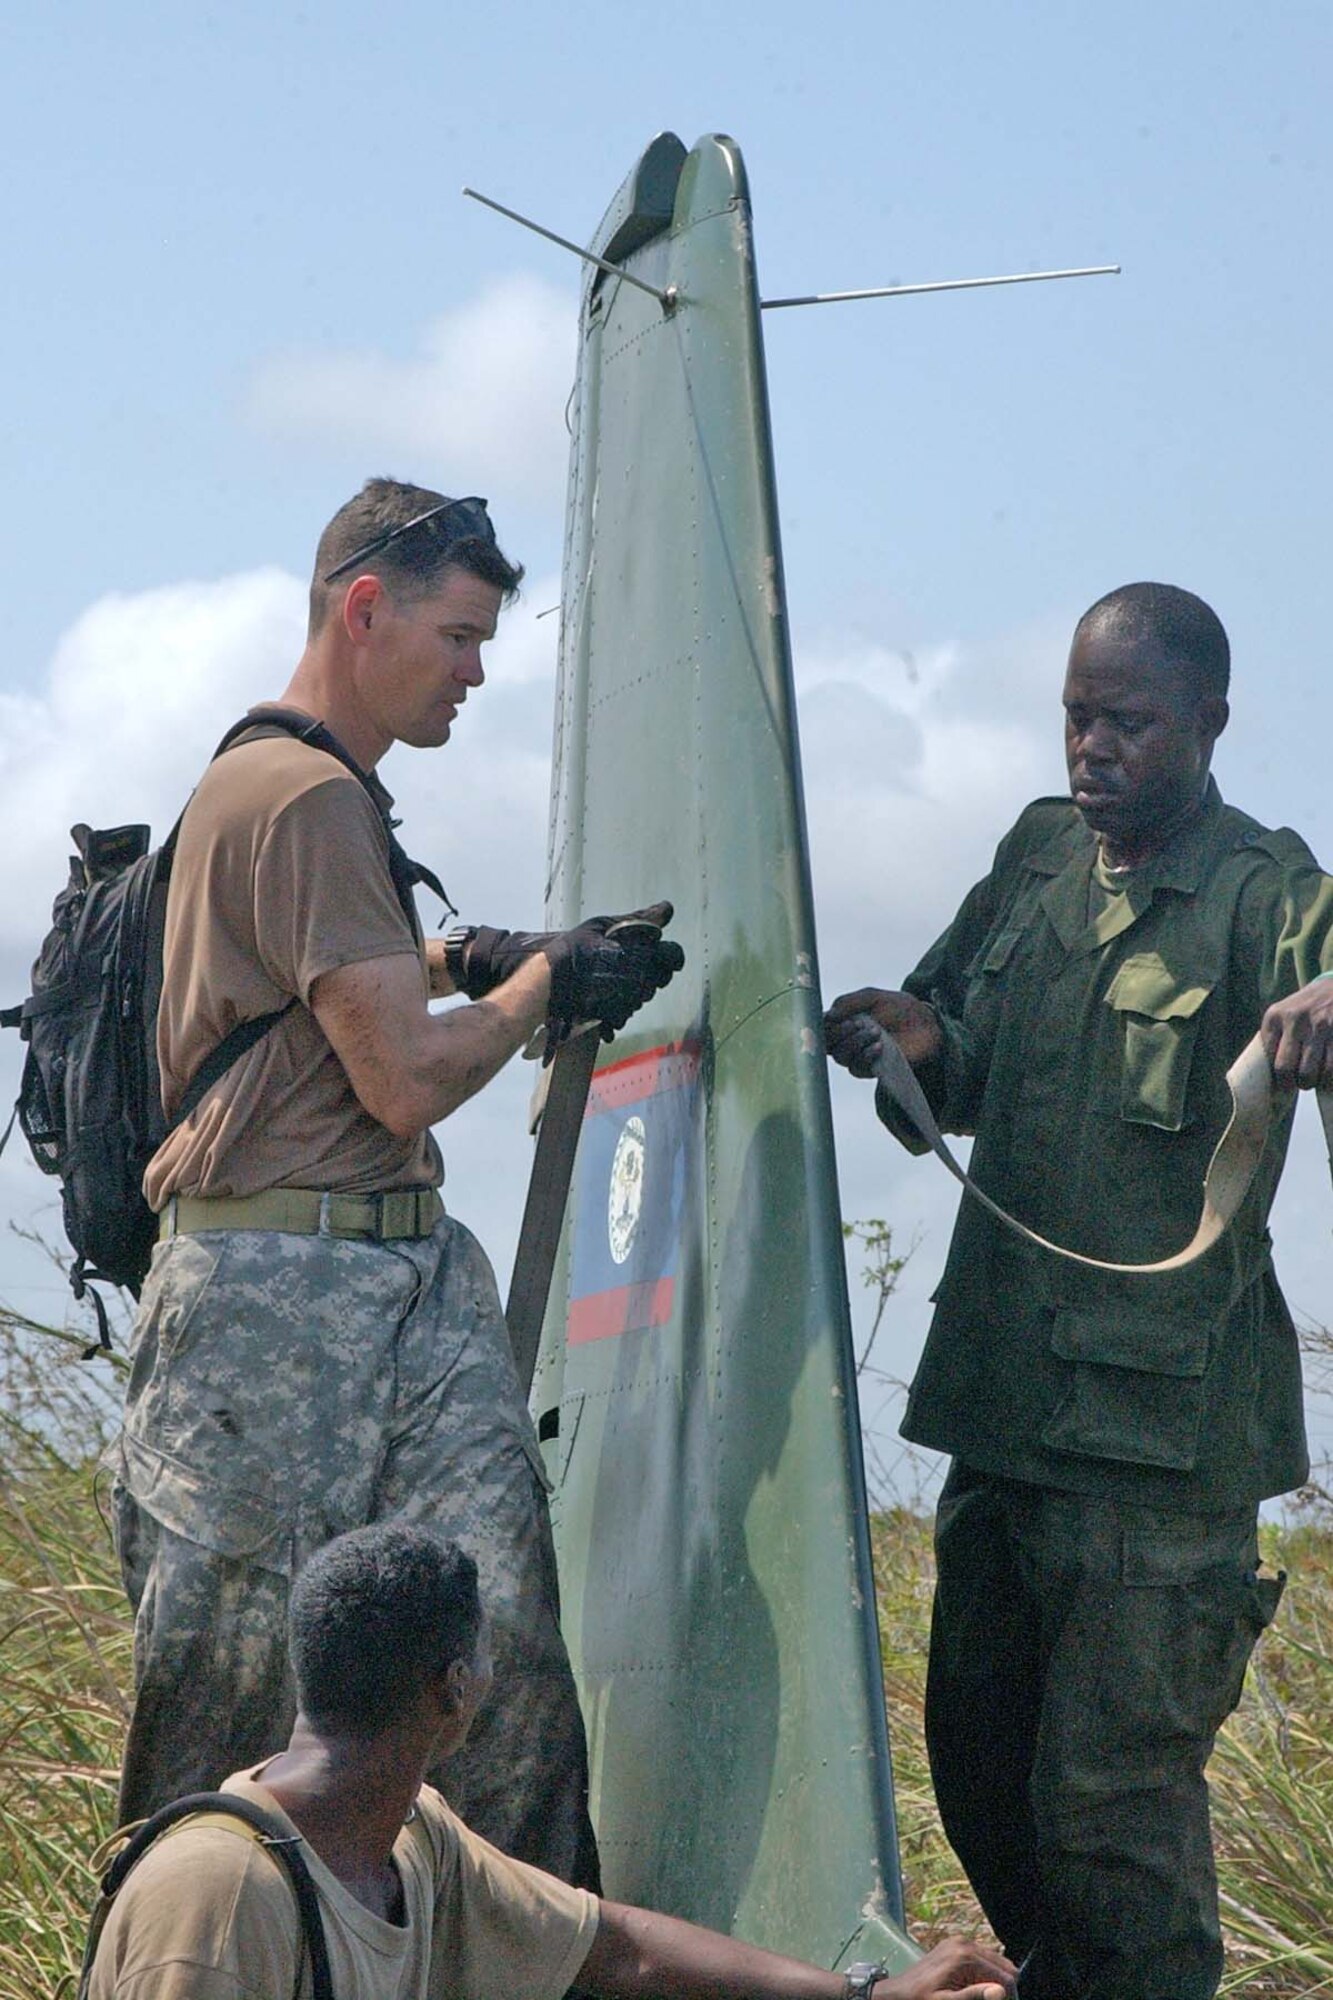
472,1042
638,1953
409,1067
1297,1034
439,979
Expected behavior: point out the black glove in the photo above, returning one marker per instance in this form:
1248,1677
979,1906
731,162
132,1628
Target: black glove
605,968
480,959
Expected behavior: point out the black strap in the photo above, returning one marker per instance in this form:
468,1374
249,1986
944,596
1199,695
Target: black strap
82,1281
277,1841
406,873
65,993
11,1017
229,1050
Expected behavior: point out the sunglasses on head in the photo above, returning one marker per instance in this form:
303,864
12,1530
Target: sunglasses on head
474,524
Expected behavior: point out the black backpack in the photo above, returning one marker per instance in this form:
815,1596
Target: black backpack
90,1100
272,1836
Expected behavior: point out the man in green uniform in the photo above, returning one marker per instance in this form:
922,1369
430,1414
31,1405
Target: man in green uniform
1098,1596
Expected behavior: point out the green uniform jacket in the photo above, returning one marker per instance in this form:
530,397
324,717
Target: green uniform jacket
1089,1058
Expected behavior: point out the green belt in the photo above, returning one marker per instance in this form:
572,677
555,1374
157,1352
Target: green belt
374,1218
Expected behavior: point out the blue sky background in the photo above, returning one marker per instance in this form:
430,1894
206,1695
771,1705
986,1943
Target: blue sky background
240,276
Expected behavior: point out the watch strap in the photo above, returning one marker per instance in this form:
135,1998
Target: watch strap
456,943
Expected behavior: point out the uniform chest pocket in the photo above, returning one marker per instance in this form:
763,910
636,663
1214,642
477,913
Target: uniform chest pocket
1156,1007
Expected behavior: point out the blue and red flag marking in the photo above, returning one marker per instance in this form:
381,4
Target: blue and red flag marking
633,1168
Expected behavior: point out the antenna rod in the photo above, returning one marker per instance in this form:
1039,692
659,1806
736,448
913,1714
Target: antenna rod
945,285
665,299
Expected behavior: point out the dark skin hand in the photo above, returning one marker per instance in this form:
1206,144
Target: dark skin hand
852,1022
1297,1034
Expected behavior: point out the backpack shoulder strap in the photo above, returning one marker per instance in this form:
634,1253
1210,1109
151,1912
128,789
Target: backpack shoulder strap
229,1050
406,873
262,1828
287,722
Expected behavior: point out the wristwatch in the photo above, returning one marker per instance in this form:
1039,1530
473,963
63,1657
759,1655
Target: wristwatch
456,943
859,1978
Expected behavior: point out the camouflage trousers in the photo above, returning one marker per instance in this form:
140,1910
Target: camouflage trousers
287,1388
1083,1655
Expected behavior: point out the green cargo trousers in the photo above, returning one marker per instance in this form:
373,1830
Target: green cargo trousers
284,1389
1083,1655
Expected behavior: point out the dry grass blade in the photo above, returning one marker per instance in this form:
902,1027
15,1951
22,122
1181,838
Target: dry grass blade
64,1662
1272,1780
63,1597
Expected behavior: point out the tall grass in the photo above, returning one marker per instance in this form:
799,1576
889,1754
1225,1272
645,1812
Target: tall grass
64,1656
1271,1775
65,1674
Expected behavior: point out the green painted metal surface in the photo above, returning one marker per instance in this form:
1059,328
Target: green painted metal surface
695,1388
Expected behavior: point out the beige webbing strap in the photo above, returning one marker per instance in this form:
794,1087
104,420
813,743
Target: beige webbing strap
1226,1184
107,1849
290,1864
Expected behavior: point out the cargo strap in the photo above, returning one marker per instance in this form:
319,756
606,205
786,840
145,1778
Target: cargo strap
1254,1106
548,1194
396,1214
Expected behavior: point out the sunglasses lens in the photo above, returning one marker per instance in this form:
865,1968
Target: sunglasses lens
452,521
471,518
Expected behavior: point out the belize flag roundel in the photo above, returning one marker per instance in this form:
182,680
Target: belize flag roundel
635,1154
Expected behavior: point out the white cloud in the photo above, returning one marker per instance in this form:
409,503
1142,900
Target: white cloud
910,779
138,692
486,389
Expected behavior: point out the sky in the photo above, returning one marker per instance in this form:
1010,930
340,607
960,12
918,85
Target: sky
241,277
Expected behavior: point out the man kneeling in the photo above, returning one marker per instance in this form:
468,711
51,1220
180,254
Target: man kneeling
391,1658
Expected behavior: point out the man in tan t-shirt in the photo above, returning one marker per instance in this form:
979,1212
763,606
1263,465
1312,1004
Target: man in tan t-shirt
390,1647
318,1345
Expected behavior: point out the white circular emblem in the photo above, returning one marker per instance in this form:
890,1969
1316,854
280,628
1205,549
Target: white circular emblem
626,1199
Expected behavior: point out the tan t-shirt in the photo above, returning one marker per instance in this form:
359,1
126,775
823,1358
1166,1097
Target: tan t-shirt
208,1915
281,873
